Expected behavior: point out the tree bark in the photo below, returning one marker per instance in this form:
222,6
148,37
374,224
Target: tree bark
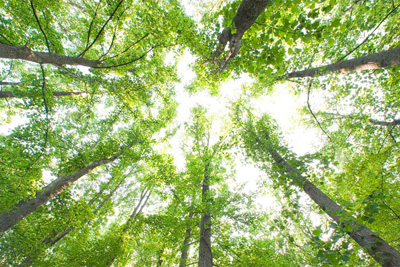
247,13
24,53
385,59
144,197
205,252
9,94
380,250
186,244
26,207
9,83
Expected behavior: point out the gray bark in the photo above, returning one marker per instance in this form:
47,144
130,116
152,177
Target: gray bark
144,197
9,94
247,13
26,207
205,252
379,60
24,53
380,250
186,244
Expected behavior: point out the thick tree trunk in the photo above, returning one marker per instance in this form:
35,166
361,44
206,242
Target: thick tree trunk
9,94
24,53
205,252
186,245
26,207
247,13
381,251
379,60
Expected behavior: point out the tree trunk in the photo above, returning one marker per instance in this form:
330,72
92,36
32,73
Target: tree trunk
24,53
380,60
381,251
186,244
144,197
205,252
247,13
9,94
26,207
9,83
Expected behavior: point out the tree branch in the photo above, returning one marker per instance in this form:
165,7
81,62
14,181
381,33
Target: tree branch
369,35
101,30
40,26
91,24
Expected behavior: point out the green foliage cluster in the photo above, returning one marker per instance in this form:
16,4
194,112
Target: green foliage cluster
140,209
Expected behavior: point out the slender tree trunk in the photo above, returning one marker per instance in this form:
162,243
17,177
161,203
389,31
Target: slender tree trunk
9,83
9,94
381,251
144,197
26,207
205,252
24,53
186,244
385,59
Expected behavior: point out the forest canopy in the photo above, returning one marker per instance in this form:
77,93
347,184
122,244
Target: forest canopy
208,133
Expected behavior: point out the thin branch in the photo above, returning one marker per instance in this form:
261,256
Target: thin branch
8,74
114,34
45,104
129,62
369,35
312,113
5,38
77,76
40,26
101,30
91,23
394,212
126,50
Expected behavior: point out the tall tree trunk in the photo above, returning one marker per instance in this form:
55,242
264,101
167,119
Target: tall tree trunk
247,13
205,252
9,94
144,197
24,53
26,207
380,250
186,244
379,60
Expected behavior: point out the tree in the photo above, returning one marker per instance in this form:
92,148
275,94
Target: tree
261,146
385,59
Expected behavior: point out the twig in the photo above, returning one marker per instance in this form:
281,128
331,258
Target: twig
101,30
129,62
369,35
40,26
5,38
114,34
124,51
91,24
312,113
